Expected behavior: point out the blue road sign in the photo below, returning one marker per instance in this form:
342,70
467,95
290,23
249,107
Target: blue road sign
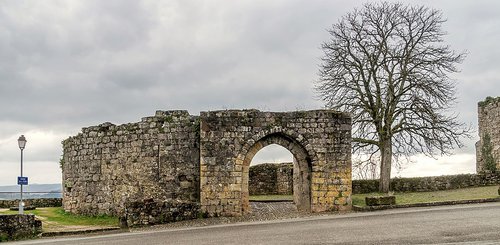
22,180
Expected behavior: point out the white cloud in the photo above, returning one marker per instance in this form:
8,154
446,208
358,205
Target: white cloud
426,166
272,154
37,172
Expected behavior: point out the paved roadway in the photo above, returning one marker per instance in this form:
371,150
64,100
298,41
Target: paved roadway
464,224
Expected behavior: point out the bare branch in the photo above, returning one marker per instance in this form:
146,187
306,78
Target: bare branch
387,65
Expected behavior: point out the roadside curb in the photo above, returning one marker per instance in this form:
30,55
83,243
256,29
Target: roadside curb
427,204
79,232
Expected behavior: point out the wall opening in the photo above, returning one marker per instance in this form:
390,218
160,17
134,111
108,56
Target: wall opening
271,173
301,168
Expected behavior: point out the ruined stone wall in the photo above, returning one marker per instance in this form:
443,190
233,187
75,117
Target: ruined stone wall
271,179
107,166
284,179
489,127
319,140
263,179
151,212
174,166
19,226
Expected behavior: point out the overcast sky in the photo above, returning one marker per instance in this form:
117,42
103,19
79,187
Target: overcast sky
65,65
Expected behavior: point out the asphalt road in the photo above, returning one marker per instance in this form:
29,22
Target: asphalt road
463,224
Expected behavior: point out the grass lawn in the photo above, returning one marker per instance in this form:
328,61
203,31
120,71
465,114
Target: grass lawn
271,198
411,197
435,196
55,219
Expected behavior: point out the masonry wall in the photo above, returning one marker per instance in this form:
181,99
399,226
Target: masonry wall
107,167
271,179
284,179
151,212
431,183
416,184
38,202
175,166
489,125
19,226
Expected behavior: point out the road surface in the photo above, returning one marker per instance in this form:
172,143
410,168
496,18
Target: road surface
463,224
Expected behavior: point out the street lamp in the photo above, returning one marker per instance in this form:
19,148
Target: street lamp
22,143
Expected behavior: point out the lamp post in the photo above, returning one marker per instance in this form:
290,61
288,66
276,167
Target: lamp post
22,143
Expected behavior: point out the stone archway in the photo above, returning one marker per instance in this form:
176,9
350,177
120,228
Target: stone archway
302,169
320,141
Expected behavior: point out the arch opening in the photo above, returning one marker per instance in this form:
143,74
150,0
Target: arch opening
301,169
271,174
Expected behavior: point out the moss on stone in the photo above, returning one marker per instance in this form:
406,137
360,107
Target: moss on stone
61,162
488,100
486,151
168,119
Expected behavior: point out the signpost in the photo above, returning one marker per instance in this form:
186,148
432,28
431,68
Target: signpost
22,180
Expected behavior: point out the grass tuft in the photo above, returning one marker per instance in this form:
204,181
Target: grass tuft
434,196
55,218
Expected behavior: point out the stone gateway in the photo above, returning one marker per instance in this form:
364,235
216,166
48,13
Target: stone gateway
185,166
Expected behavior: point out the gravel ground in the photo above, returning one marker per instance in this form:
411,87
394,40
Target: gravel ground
260,211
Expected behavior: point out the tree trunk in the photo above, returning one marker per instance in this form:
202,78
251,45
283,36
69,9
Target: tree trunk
385,166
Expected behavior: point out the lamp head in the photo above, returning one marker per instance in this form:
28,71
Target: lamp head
22,142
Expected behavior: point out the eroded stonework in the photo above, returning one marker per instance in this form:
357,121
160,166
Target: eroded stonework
181,162
489,133
107,166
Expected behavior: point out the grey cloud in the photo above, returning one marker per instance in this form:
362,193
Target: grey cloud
70,64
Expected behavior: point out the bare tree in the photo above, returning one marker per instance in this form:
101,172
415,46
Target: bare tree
386,64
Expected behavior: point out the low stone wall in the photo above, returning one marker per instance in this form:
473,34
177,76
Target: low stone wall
151,212
17,226
262,179
38,202
271,179
434,183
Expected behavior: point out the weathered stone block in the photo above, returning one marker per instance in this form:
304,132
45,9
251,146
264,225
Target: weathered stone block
19,226
380,200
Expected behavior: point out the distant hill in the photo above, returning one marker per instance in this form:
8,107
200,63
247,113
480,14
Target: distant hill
51,191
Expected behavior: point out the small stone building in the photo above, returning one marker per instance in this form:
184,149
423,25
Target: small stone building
488,147
188,165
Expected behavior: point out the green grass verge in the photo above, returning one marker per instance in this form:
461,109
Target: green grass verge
54,219
271,198
435,196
